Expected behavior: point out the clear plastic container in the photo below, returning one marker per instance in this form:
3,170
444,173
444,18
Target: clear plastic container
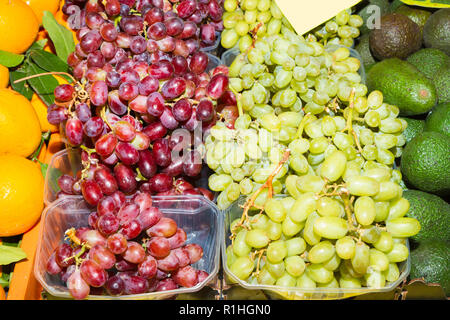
231,54
235,211
213,62
198,216
228,56
67,161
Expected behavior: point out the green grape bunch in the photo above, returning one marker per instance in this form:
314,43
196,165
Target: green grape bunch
294,93
313,153
341,30
246,20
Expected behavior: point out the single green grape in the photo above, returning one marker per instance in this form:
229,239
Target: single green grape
295,266
361,259
305,282
276,251
242,267
330,227
403,227
319,273
378,260
345,247
257,238
265,277
240,246
291,228
321,252
327,206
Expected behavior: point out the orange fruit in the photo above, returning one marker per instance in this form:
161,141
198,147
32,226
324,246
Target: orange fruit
4,76
20,131
21,194
18,26
2,293
39,6
41,110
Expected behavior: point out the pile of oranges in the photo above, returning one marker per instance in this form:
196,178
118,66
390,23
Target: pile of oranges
22,122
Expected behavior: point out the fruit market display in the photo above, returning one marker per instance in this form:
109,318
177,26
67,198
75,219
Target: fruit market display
326,154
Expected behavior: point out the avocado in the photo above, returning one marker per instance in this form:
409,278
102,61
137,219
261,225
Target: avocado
419,16
438,119
403,86
431,260
414,127
425,163
368,11
364,50
429,61
369,66
441,81
432,212
436,32
398,36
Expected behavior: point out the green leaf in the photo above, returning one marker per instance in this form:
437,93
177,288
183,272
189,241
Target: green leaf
21,87
10,244
43,85
48,61
46,135
9,59
54,175
61,37
40,44
35,155
10,254
44,168
4,280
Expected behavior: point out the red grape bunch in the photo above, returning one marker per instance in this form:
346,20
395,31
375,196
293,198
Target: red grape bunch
130,247
201,19
140,76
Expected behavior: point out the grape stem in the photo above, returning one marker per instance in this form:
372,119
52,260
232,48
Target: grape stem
334,105
349,126
87,164
88,150
139,176
70,234
254,37
347,207
260,254
325,191
268,184
103,116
